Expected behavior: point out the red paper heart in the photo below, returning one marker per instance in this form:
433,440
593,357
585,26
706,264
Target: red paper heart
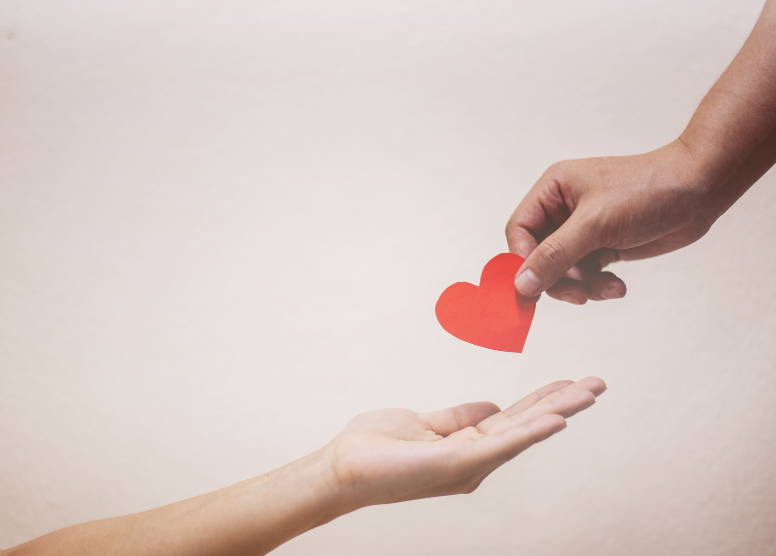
490,315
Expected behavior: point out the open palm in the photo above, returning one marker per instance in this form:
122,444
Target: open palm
392,455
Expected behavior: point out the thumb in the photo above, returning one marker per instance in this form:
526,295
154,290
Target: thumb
447,421
577,237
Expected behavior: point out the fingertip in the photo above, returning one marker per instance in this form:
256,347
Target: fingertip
623,288
578,398
558,422
527,283
569,290
606,286
490,408
547,425
594,384
472,413
612,292
572,299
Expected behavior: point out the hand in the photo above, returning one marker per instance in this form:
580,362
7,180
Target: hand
584,214
392,455
381,457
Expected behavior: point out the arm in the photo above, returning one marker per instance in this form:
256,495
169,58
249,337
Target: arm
584,214
381,457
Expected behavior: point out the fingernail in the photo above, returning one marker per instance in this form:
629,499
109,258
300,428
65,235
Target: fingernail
528,284
568,298
610,293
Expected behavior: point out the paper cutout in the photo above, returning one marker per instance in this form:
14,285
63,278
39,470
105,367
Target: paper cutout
491,315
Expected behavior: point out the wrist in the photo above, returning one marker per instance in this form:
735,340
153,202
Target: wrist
322,492
718,175
345,492
695,170
698,179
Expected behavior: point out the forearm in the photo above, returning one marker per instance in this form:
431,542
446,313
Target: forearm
251,517
381,457
731,135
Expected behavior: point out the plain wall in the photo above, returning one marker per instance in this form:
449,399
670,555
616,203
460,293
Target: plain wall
224,227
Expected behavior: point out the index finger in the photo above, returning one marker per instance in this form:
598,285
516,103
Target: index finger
565,402
523,404
542,211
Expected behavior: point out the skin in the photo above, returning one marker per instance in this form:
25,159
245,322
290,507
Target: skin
585,214
381,457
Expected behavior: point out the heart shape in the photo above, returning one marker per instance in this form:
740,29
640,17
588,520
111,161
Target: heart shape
491,315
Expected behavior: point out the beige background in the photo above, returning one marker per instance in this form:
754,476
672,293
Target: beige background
224,226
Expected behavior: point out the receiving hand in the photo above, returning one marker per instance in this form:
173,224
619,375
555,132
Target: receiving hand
391,455
381,457
584,214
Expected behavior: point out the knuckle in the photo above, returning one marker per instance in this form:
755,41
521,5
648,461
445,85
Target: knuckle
551,253
457,417
509,230
558,169
605,227
594,218
555,403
